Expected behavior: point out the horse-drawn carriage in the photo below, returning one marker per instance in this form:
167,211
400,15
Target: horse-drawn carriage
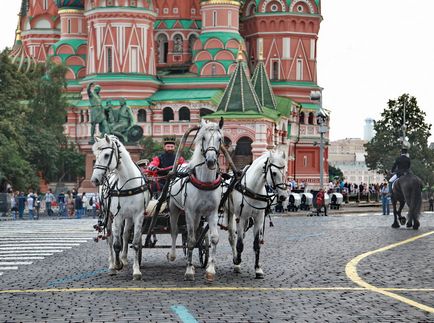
189,202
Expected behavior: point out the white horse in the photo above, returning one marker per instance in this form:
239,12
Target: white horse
199,195
250,200
124,197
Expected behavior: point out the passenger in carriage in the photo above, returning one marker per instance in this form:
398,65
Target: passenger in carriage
162,164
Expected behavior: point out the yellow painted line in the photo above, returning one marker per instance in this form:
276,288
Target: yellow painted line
351,271
206,289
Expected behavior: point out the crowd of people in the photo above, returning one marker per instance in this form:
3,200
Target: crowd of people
66,205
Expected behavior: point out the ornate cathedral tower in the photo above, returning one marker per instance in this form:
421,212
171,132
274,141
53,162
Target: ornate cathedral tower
215,52
37,30
120,53
71,49
176,29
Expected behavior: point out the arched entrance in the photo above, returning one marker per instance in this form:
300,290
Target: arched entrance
243,152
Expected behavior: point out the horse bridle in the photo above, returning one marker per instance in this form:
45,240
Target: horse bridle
105,168
210,148
268,168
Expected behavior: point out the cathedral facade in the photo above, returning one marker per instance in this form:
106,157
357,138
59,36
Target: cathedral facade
252,62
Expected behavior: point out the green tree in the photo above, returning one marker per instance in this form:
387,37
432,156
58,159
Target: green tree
335,172
16,88
46,118
383,149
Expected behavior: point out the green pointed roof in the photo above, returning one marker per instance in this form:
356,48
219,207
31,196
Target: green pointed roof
262,86
239,95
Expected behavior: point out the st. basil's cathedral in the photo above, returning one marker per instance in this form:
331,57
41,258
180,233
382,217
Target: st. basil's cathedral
253,62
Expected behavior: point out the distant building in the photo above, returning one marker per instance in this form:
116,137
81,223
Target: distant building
368,130
349,156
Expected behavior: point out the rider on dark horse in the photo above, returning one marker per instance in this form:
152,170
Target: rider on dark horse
401,166
162,164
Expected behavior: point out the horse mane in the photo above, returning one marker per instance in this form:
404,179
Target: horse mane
197,156
102,142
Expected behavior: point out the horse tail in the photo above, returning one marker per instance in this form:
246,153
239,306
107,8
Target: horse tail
416,199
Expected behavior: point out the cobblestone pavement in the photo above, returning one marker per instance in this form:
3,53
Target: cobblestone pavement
311,275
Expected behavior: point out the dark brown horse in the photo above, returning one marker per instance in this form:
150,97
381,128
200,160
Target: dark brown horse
407,189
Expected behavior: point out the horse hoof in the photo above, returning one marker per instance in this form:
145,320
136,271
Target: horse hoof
259,276
209,277
416,225
409,224
120,266
137,276
237,269
395,225
189,277
402,220
112,272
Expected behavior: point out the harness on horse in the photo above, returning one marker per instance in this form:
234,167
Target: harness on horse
108,192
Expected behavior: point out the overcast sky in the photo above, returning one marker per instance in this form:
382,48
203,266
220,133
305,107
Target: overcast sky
368,52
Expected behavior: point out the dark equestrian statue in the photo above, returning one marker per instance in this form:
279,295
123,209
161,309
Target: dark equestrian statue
407,189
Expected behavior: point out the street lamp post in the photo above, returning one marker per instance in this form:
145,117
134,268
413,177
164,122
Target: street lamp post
321,118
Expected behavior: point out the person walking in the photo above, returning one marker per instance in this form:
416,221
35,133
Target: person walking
431,203
320,202
49,199
78,206
14,205
21,205
83,204
62,204
385,193
30,205
70,204
37,205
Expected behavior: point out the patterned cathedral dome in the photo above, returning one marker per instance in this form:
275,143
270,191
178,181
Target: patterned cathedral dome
70,4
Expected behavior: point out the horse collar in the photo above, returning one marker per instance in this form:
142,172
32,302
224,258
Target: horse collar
205,186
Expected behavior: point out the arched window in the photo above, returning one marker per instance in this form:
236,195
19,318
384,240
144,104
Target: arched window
213,69
310,118
191,41
141,115
275,74
301,118
168,114
204,111
178,43
244,146
214,18
184,114
163,48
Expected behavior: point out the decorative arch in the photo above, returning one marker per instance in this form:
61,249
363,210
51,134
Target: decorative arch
82,50
232,68
224,55
163,47
203,56
214,43
232,43
81,73
69,75
65,49
305,3
191,41
184,114
42,23
244,146
213,68
267,6
75,60
168,114
178,43
250,9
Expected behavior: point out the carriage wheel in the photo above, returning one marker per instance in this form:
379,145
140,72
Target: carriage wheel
203,249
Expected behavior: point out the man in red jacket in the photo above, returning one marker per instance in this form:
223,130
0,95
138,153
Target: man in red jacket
320,202
162,164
